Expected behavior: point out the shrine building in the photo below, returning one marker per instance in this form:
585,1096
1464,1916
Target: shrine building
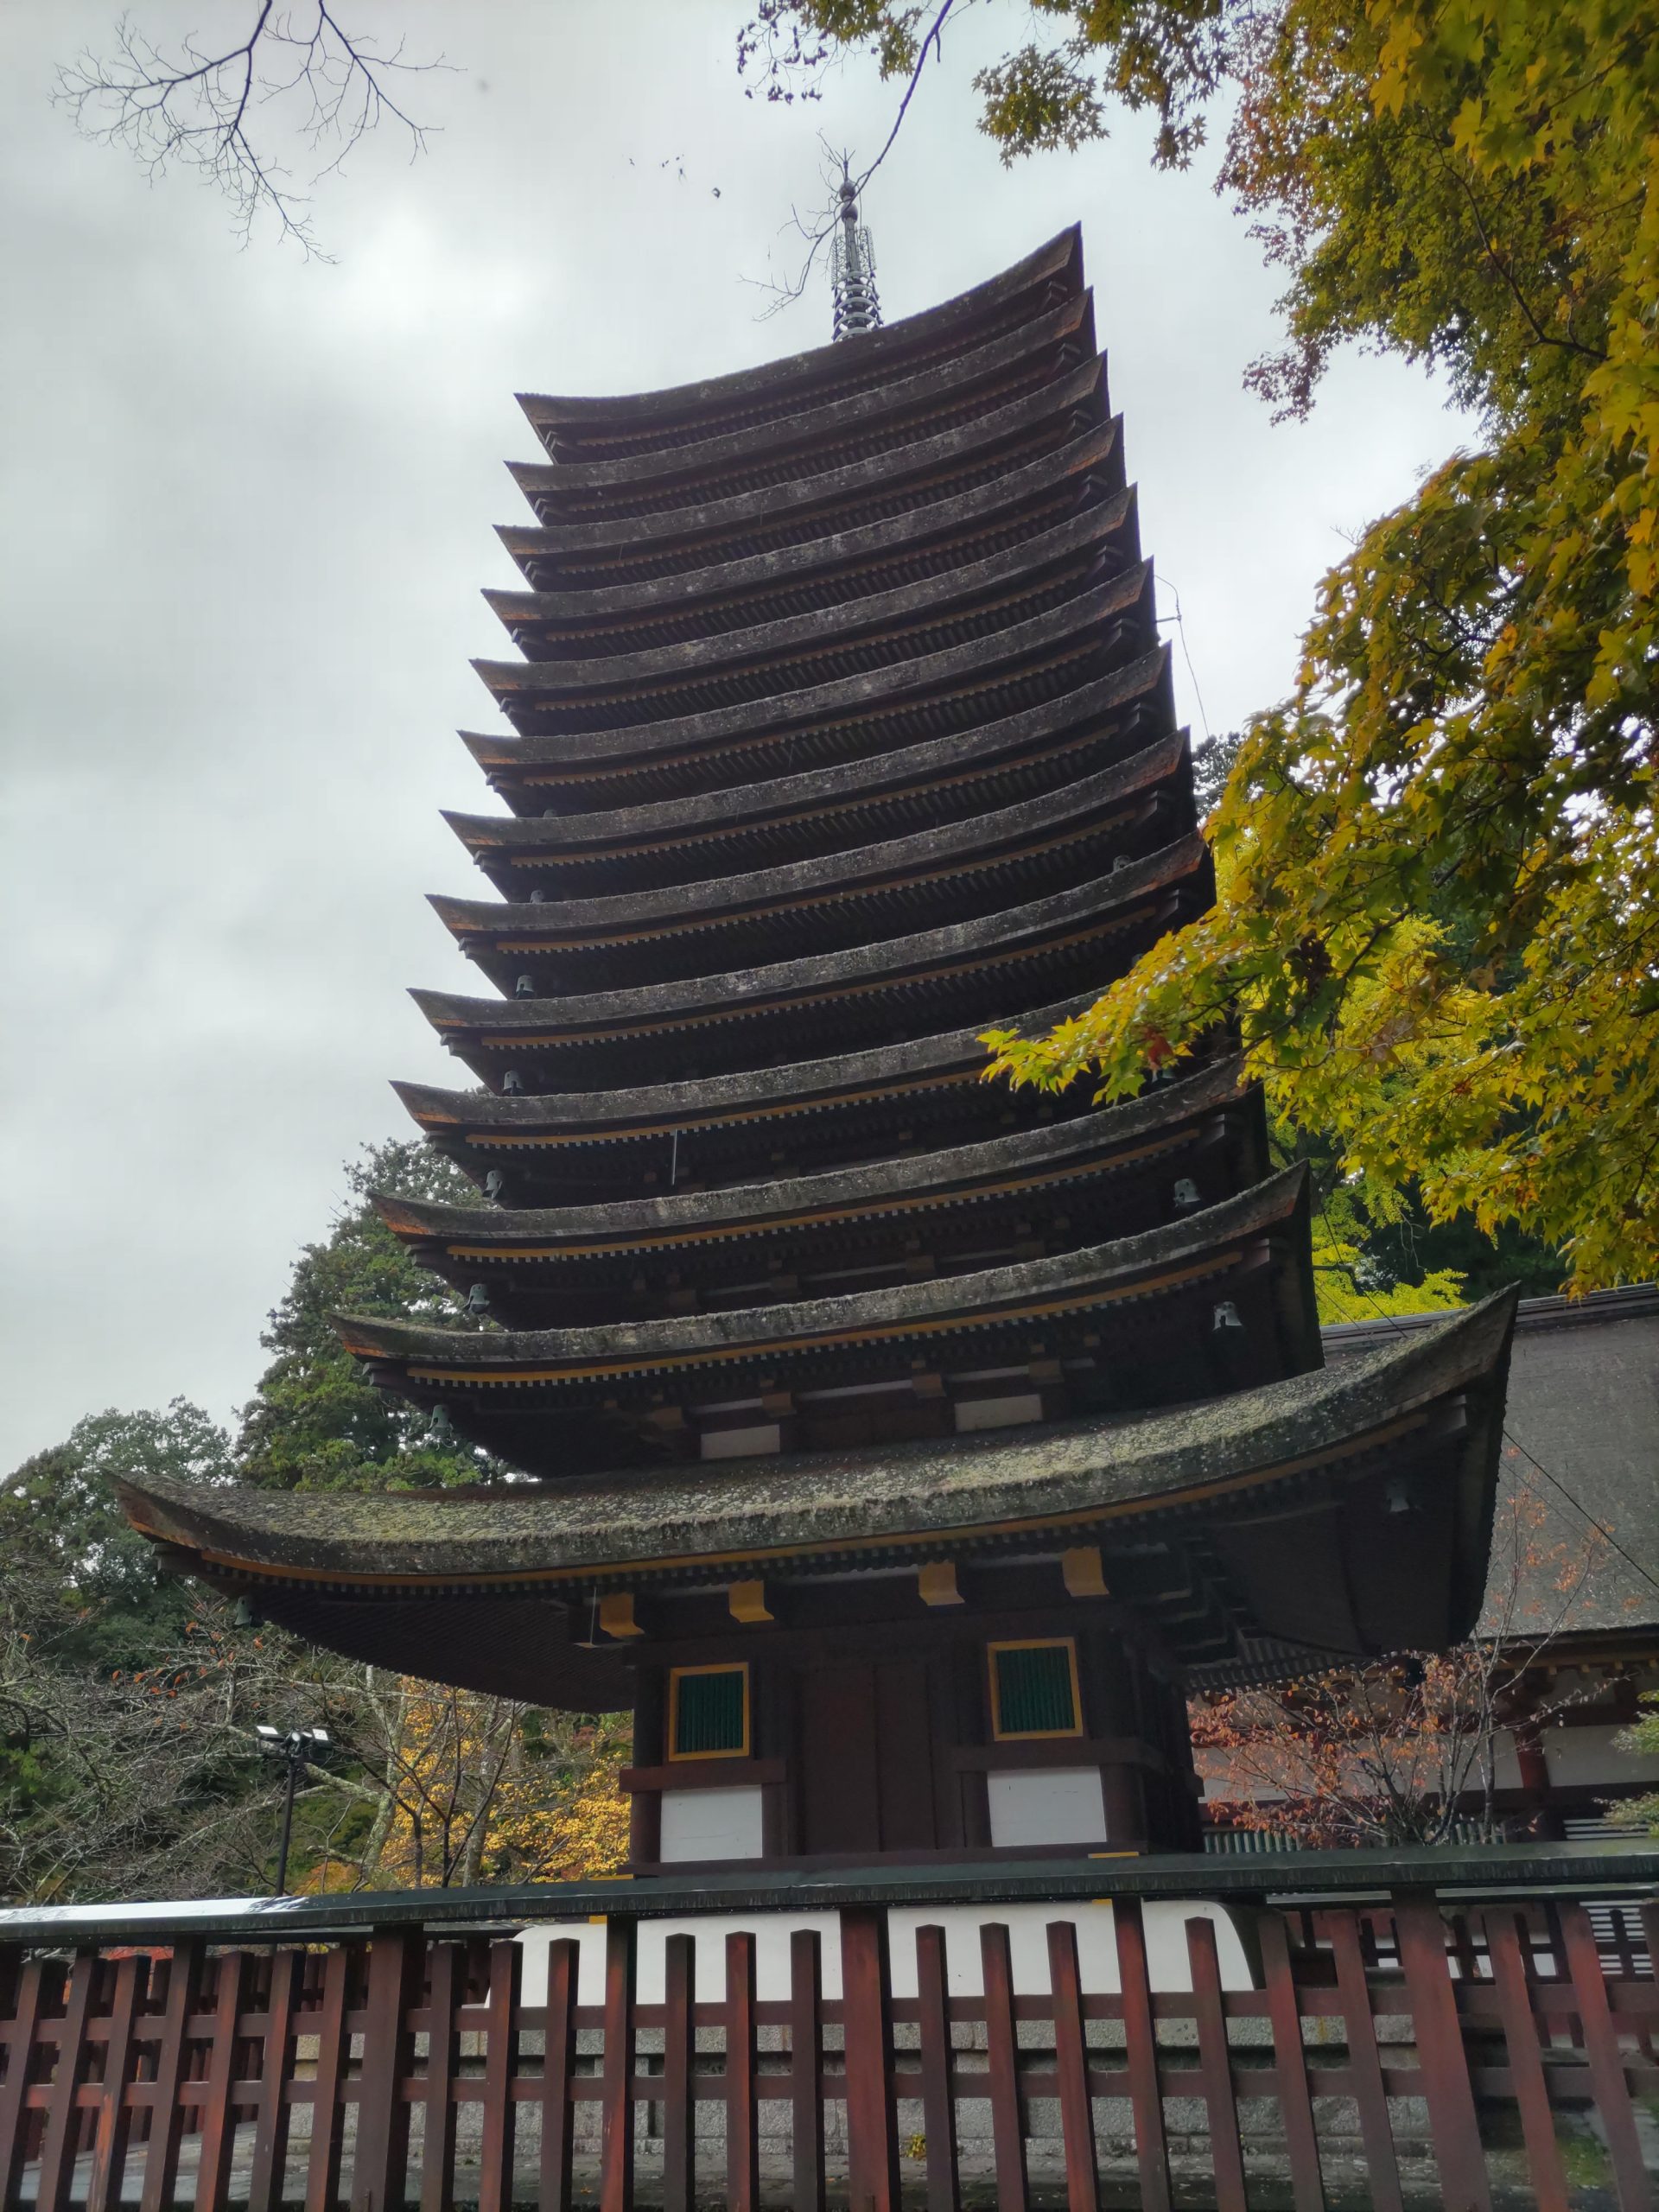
900,1447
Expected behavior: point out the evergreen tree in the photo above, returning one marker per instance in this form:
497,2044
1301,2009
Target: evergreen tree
315,1421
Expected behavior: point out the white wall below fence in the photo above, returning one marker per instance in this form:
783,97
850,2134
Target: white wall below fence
1166,1926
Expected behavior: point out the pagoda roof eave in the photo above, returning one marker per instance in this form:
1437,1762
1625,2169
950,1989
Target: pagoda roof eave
793,495
503,1358
1058,255
949,953
571,680
880,691
820,787
593,1115
1163,1108
828,874
815,417
1073,1481
528,543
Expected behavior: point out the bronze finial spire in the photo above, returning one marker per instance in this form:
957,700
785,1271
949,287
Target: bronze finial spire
852,267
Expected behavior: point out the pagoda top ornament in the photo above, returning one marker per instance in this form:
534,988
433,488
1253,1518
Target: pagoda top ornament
852,267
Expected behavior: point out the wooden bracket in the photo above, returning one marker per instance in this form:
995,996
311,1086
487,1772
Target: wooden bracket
1085,1575
747,1602
938,1583
616,1614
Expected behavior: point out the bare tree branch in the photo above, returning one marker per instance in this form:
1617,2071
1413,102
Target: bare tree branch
818,228
224,114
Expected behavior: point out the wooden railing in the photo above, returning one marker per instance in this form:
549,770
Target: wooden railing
1428,2051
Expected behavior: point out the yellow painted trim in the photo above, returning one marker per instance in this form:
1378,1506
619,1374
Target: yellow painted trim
675,1676
1001,1735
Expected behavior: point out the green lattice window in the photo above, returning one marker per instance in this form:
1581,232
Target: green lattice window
709,1712
1034,1689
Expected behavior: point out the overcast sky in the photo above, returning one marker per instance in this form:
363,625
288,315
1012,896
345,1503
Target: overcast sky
247,512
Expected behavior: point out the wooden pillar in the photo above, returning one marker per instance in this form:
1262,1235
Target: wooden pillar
645,1806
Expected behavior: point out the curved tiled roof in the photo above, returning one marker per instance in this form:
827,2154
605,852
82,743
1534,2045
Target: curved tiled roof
1324,1439
1001,505
968,971
864,362
1196,1247
1124,1132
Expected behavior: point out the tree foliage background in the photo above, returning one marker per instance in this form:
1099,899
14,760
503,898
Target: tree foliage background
1437,922
128,1763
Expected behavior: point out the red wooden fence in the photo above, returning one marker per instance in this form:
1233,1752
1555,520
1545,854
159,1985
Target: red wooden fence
1456,2048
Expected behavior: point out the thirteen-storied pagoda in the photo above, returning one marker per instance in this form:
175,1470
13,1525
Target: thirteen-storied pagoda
902,1448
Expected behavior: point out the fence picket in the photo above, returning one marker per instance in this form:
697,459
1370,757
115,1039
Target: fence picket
112,2129
327,2117
1442,2059
679,2062
268,2174
166,2110
1072,2068
938,2096
742,2109
1290,2067
866,2013
57,2165
500,2114
215,2119
1216,2068
381,2151
446,1968
806,2067
616,2144
1606,2061
558,2065
1505,1941
1002,2062
1365,2062
1140,2056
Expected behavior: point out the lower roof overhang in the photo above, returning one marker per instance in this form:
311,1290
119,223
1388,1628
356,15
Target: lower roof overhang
1349,1510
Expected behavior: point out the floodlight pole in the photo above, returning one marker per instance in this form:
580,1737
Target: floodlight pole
295,1761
